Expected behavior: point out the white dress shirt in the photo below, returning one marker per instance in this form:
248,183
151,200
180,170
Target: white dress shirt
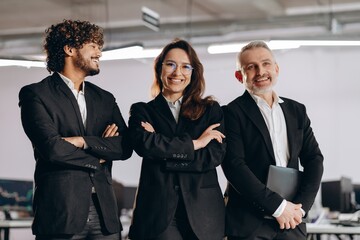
175,107
276,124
79,95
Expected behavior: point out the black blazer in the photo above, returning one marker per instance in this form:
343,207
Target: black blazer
249,155
169,160
64,173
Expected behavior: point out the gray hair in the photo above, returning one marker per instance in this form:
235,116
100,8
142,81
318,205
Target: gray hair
251,45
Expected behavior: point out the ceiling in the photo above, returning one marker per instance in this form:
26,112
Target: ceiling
202,22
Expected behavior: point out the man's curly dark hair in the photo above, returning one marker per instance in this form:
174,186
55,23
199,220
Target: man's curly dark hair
73,34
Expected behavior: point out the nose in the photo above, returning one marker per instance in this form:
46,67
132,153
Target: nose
260,70
177,70
99,52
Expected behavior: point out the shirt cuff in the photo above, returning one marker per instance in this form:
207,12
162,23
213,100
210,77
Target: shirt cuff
280,209
303,212
85,145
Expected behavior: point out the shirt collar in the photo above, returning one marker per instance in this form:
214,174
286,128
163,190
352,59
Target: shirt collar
70,83
259,100
176,103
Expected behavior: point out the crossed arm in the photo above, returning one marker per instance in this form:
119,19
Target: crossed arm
209,134
78,141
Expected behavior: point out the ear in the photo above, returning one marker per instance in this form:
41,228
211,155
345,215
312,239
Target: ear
239,76
68,50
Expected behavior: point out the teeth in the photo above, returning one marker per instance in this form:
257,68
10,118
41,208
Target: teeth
176,80
261,79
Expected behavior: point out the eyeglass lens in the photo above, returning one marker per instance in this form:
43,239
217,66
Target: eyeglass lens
170,67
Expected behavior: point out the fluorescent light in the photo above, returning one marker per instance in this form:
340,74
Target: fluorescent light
121,53
130,53
21,63
323,43
334,8
148,53
225,48
281,44
277,45
236,47
133,52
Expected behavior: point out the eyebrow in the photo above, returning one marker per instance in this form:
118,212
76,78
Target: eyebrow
170,60
261,61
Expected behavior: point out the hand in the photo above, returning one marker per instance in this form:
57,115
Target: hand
148,127
76,141
111,131
291,217
209,134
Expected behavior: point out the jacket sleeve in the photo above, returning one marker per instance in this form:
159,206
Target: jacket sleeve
48,144
111,148
238,173
176,152
311,160
209,157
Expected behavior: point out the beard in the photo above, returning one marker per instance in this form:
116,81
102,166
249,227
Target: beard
84,65
263,89
256,90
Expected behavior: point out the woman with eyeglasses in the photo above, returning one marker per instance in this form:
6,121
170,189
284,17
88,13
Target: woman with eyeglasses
180,136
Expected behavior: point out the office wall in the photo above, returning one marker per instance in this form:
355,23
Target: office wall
326,80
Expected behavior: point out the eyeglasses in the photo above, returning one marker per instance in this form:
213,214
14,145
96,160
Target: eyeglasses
170,67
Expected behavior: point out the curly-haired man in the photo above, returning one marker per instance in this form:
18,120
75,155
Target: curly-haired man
76,130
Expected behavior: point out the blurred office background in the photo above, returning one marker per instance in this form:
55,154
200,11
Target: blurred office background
325,78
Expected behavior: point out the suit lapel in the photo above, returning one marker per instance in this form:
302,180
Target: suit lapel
183,125
90,108
70,96
252,111
162,107
291,128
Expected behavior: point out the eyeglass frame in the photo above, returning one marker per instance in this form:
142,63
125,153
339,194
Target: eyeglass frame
176,67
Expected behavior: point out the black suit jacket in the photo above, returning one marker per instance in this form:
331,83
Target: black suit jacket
169,160
249,155
64,174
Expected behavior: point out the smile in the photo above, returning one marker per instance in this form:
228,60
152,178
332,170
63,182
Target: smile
174,80
262,79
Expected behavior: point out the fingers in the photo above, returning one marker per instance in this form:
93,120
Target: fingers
287,223
218,136
211,127
209,134
292,224
291,216
111,131
148,127
215,134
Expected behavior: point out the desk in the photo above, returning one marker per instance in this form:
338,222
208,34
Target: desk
6,225
316,229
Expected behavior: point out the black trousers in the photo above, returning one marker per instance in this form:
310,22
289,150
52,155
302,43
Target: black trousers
179,228
270,230
94,228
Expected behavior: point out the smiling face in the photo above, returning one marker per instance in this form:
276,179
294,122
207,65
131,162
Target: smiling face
259,70
87,59
175,81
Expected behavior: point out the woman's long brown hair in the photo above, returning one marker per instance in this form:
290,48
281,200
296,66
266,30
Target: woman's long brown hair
193,105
